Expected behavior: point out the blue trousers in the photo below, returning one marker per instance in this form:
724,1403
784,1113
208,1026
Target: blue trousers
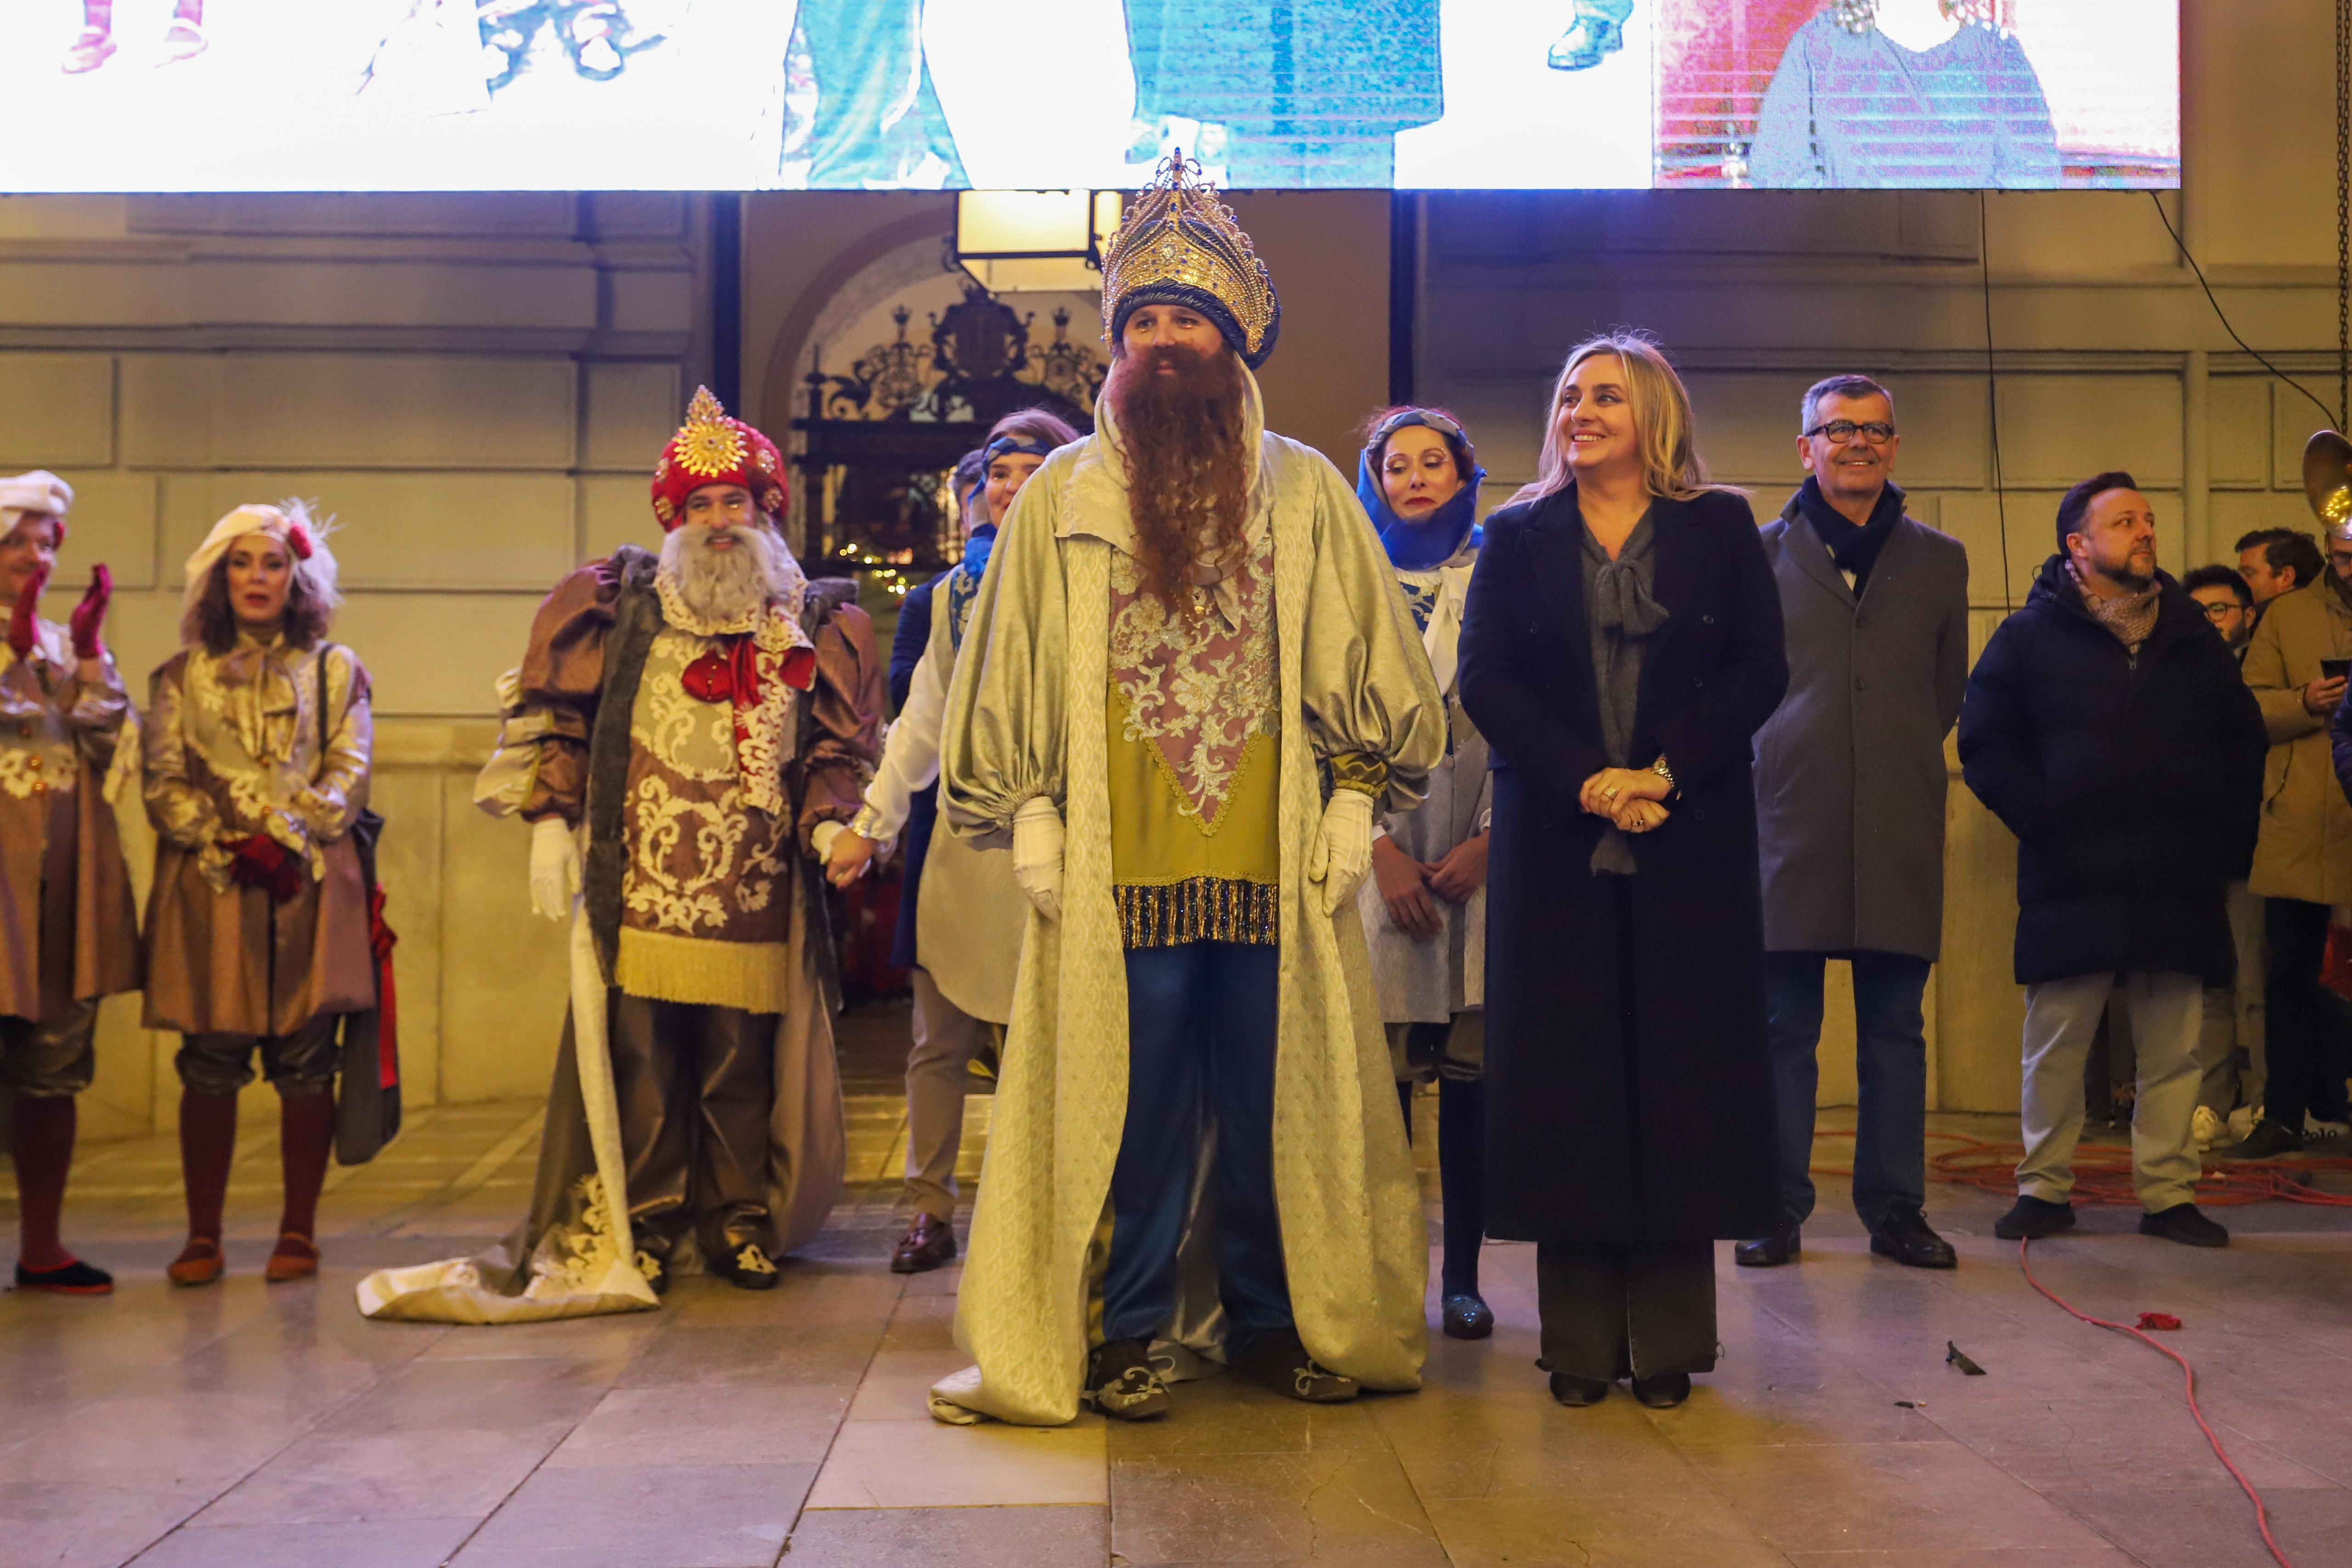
1202,1022
1890,1144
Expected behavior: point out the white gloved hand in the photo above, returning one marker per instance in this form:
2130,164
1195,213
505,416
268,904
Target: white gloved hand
554,867
820,838
1342,851
1037,836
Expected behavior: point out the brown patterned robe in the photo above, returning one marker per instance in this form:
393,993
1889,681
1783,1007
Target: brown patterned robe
68,926
705,906
232,751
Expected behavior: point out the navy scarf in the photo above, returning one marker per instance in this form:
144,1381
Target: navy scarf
1853,549
1437,539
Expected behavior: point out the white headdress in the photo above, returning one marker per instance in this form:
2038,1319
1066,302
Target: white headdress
291,524
39,491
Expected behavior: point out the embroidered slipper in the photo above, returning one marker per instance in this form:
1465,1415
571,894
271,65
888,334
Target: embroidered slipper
199,1262
296,1258
183,41
71,1278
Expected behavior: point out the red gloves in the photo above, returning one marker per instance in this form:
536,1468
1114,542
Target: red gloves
89,615
262,862
26,623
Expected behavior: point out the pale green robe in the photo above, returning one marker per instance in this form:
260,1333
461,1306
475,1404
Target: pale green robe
1026,718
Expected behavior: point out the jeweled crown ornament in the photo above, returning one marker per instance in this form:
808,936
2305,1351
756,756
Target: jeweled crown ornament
711,448
1181,246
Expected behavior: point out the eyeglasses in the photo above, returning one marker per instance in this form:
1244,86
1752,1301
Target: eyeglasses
2222,609
1878,432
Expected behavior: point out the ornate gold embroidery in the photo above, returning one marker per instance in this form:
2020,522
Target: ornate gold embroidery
1197,686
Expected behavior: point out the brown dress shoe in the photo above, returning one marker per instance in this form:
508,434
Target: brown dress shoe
296,1258
928,1244
199,1262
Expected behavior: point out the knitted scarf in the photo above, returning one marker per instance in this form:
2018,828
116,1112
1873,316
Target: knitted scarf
2130,616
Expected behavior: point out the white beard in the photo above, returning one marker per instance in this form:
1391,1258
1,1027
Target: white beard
725,587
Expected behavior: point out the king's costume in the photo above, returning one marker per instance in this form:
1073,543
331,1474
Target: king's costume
1204,962
696,1117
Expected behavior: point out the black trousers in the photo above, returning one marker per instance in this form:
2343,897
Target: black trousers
1626,1311
2307,1028
695,1085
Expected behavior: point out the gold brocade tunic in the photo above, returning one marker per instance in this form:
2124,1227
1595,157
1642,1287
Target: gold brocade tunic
69,928
233,750
1190,732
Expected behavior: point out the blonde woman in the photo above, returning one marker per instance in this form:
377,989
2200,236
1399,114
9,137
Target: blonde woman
257,924
1619,648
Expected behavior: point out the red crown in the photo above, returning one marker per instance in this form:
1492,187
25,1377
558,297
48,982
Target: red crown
711,448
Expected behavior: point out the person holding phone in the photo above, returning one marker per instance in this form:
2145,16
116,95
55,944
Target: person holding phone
2303,863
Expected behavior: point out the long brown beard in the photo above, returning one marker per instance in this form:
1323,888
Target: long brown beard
1188,489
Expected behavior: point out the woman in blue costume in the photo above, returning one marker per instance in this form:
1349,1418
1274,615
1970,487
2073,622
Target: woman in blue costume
1424,906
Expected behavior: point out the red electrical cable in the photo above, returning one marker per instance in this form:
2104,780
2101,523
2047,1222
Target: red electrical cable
2262,1513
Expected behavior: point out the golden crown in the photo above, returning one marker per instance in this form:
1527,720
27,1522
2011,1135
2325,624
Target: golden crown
709,443
1177,233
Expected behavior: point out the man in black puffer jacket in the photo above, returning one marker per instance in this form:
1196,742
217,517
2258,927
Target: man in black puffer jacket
2108,726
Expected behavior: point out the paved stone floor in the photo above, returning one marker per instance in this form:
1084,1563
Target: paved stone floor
259,1425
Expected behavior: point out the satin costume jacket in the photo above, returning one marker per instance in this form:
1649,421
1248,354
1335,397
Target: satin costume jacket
232,751
1026,718
68,924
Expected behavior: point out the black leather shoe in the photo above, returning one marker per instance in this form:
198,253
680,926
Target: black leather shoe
1769,1251
2269,1141
1665,1391
1468,1316
1903,1235
928,1244
1575,1392
2031,1219
748,1267
2184,1224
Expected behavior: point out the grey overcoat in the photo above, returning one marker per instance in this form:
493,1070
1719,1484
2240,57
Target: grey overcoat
1849,768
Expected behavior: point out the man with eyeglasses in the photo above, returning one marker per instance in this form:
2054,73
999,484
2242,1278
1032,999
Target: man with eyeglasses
2303,862
1849,806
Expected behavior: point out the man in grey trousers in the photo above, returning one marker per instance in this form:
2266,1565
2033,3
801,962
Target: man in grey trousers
1849,806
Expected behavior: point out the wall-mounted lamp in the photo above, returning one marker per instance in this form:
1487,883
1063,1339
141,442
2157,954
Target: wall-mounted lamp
1014,242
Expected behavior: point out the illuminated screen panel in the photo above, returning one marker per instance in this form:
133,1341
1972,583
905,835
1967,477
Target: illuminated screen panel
427,95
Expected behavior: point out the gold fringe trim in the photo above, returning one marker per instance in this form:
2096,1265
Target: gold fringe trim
667,969
1199,909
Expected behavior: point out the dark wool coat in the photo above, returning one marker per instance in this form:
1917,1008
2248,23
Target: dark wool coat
2134,785
1850,772
1631,1091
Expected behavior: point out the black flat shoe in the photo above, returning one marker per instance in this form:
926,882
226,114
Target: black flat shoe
1665,1391
1904,1236
1276,1359
1123,1385
71,1278
1577,1393
1468,1316
1769,1251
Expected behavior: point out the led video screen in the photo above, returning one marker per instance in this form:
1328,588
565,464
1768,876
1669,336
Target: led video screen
427,95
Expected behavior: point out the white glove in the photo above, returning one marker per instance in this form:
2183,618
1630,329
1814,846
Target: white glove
1037,836
1342,853
820,838
554,867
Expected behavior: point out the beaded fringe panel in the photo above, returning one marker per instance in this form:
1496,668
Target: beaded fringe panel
1199,909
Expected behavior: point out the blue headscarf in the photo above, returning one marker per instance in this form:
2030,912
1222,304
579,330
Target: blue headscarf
1438,538
963,585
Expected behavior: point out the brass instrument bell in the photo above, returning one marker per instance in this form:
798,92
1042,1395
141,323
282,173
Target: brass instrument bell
2328,481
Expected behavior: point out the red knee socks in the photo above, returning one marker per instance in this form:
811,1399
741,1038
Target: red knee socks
306,1135
41,1140
207,1145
